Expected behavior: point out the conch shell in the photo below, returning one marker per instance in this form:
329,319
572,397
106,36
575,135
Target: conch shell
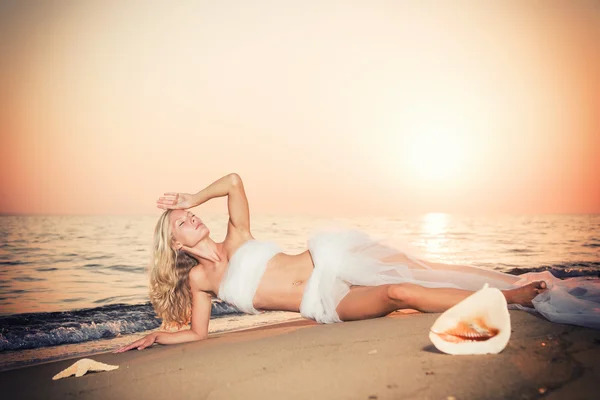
480,324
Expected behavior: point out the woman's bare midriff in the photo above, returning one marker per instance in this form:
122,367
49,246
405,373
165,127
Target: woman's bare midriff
283,283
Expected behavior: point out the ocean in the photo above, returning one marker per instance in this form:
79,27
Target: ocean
77,285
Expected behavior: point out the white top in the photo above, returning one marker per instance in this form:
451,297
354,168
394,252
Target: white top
246,268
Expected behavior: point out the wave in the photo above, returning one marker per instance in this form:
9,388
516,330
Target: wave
564,270
35,330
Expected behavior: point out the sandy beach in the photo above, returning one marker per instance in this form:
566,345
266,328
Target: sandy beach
384,358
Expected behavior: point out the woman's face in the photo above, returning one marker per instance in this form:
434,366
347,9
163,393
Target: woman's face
187,229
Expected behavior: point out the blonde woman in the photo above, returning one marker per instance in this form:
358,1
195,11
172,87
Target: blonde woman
343,276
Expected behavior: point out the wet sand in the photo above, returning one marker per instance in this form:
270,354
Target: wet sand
383,358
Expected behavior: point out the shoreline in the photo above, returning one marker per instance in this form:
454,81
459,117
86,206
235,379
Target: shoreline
16,359
382,358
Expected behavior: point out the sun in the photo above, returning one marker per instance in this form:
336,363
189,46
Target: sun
435,154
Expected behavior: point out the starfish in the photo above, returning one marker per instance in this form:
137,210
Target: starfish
82,366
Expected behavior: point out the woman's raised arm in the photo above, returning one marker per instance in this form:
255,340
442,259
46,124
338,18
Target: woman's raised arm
230,185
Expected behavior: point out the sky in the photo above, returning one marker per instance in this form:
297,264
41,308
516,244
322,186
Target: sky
326,108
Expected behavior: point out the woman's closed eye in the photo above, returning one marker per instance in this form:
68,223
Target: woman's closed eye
190,218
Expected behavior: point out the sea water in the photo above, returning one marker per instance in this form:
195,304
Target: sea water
77,285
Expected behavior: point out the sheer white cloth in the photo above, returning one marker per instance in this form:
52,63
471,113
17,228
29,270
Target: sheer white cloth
350,257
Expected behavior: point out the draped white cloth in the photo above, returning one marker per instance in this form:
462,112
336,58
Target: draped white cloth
350,257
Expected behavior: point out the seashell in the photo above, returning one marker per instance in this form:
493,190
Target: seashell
480,324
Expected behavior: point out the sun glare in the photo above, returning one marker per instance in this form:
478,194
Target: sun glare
435,155
434,227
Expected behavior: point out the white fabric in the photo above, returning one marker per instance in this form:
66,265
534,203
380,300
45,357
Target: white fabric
245,270
573,301
345,258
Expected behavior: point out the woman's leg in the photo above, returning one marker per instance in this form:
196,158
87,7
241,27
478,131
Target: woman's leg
429,299
363,302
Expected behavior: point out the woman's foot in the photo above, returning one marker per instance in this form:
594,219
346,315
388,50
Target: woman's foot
524,294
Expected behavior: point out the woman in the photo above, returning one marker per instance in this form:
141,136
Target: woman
344,275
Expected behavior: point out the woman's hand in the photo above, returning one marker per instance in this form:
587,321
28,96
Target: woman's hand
175,201
140,344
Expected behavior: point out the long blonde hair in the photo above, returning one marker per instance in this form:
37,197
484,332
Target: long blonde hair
170,292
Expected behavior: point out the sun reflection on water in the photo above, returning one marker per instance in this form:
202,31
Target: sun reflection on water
434,229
